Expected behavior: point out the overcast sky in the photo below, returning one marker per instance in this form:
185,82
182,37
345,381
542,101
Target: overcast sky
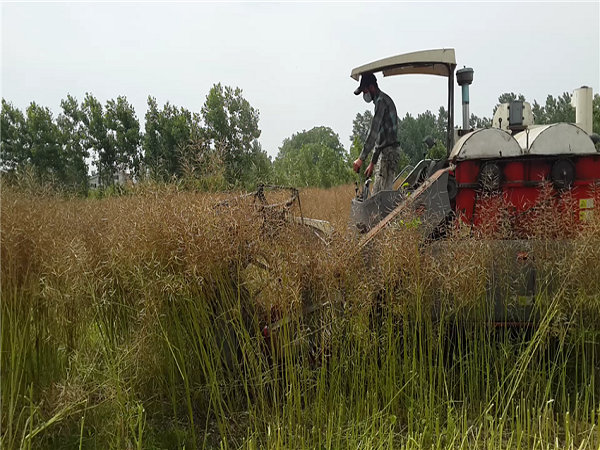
293,61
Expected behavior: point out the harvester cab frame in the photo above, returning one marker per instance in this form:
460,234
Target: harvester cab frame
440,62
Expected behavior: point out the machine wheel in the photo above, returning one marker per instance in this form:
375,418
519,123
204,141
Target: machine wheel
452,187
490,177
563,174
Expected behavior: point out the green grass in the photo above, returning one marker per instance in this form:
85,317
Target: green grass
136,322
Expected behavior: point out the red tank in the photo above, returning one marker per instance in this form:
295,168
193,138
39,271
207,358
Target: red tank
556,166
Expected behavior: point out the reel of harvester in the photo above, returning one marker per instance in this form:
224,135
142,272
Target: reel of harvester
279,212
256,273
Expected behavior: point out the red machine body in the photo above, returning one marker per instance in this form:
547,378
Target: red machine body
522,184
556,163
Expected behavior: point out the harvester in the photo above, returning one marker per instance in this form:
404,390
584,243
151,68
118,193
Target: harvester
514,156
514,159
522,163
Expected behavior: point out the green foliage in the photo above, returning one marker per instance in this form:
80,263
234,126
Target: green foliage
360,127
313,158
442,123
223,136
70,124
476,122
412,131
52,149
168,132
14,150
113,134
231,124
44,143
555,110
260,168
96,138
403,162
438,151
58,149
123,135
230,132
355,149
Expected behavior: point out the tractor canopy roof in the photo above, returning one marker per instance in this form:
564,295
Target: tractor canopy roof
426,62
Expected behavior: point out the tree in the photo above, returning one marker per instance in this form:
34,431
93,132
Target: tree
96,139
168,132
151,139
70,124
261,167
554,111
360,131
45,153
231,122
14,146
479,122
361,126
355,149
441,124
438,151
123,136
412,132
53,149
313,158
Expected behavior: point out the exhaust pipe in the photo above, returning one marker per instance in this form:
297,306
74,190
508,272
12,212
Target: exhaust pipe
582,100
464,77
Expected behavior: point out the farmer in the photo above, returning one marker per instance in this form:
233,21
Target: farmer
382,136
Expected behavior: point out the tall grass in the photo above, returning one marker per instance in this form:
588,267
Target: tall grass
139,322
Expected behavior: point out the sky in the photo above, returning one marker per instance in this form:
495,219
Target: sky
292,60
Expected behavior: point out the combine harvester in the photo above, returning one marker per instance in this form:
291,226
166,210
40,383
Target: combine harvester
514,158
519,162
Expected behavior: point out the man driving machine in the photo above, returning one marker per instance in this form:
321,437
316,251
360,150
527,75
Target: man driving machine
383,136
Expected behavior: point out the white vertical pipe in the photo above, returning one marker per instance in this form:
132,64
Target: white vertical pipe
582,101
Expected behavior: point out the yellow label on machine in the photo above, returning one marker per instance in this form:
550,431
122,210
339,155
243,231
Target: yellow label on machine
585,203
586,215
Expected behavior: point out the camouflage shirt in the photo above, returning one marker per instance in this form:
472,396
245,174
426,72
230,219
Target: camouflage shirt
384,127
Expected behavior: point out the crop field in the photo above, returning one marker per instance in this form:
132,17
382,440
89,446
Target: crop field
161,319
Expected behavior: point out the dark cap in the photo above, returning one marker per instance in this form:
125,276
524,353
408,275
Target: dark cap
366,80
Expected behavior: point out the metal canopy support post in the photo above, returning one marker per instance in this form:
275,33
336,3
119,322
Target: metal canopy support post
450,137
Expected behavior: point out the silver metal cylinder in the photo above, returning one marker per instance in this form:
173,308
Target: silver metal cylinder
465,111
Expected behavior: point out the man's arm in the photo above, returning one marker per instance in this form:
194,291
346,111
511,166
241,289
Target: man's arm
373,132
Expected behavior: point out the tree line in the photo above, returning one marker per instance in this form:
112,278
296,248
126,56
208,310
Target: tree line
174,142
217,146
